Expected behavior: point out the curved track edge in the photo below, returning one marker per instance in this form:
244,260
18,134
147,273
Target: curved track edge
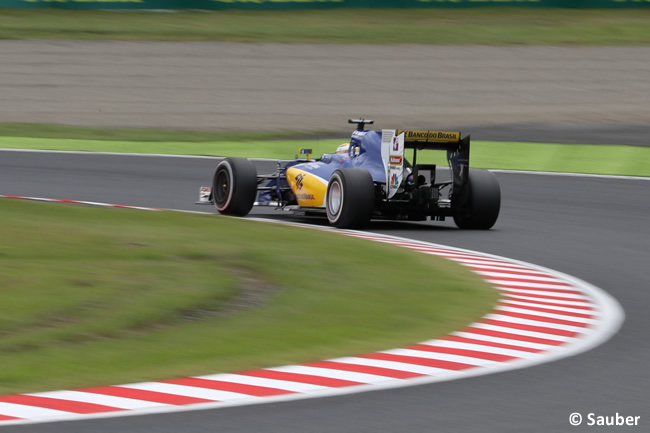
542,315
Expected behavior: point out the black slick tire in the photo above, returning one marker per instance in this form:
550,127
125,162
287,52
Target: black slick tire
482,204
234,186
350,198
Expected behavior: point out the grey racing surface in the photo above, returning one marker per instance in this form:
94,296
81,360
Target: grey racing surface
592,228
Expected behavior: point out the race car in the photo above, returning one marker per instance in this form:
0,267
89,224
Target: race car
367,178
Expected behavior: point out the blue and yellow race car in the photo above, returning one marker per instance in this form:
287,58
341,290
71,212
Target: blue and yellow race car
367,178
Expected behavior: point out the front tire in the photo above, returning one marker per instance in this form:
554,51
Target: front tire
350,198
234,186
482,204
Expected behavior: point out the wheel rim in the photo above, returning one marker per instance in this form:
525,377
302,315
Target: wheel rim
335,198
222,185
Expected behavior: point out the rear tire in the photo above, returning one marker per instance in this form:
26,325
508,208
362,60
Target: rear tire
350,198
234,186
482,203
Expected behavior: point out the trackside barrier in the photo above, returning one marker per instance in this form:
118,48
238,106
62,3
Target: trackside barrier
316,4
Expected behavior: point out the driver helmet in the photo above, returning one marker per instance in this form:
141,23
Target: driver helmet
343,149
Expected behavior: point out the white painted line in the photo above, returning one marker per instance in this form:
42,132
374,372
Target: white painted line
501,340
564,174
559,308
529,285
476,362
91,153
106,400
481,348
541,323
567,296
187,391
534,297
498,276
261,381
523,332
393,365
541,316
331,373
508,270
31,412
162,155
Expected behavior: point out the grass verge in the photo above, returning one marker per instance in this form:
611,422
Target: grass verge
575,158
105,296
49,130
483,26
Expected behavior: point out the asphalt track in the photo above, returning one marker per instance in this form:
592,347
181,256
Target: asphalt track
594,229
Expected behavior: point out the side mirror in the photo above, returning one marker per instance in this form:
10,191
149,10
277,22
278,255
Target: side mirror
306,153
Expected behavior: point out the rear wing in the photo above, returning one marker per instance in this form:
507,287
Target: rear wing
439,140
457,148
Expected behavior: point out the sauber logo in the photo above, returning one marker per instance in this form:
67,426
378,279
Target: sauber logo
395,143
395,160
299,179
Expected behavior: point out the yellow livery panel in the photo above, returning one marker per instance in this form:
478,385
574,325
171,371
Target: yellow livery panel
309,189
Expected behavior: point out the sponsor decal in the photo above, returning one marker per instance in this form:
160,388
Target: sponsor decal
299,179
204,193
357,133
431,136
392,155
309,188
305,197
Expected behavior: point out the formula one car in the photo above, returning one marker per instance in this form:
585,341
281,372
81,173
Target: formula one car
367,178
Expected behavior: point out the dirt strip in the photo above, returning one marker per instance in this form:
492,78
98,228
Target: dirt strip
229,86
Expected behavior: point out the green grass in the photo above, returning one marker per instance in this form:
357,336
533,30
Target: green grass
591,159
95,296
48,130
484,26
594,159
